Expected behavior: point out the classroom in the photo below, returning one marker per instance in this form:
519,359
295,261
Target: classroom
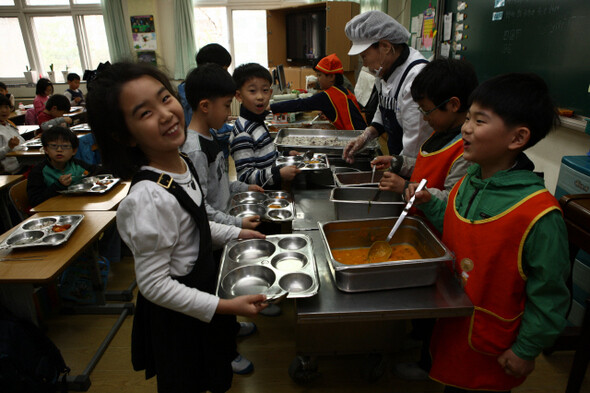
370,195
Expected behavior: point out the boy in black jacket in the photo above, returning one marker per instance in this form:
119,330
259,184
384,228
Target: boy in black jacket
60,169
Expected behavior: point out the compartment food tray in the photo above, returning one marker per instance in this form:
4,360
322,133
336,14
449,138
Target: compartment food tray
357,202
43,231
269,266
320,141
251,203
98,184
317,163
351,234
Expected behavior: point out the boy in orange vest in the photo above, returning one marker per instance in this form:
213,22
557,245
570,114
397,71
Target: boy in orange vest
336,102
441,91
509,240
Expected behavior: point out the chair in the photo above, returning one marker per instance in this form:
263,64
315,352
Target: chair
576,213
30,117
20,199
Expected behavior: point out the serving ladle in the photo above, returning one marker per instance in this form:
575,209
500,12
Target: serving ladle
381,249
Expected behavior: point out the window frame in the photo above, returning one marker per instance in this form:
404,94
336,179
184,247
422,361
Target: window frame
25,14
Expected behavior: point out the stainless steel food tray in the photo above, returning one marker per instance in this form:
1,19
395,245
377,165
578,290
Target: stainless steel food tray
251,203
83,127
269,266
98,184
356,202
385,275
357,179
317,163
40,232
324,141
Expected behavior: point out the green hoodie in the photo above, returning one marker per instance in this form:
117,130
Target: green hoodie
545,255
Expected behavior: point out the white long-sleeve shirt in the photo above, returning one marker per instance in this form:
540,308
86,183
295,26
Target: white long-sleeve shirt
7,132
164,240
415,129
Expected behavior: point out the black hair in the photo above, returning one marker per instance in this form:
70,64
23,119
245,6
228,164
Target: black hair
3,86
72,76
520,99
107,120
244,72
442,79
339,80
4,100
56,133
42,85
213,53
59,101
208,81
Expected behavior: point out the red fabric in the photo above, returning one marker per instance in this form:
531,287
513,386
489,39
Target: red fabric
330,64
343,119
465,349
435,166
43,117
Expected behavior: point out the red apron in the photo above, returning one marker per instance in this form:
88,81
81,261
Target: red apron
488,256
339,99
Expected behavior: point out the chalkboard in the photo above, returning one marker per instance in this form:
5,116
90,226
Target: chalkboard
547,37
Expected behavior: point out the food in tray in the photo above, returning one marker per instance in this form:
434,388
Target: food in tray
44,231
359,256
61,228
274,206
314,141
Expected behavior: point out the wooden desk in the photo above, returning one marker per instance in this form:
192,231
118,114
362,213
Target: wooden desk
27,157
85,202
25,130
17,117
7,181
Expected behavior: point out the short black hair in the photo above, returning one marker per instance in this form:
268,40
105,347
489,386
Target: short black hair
213,53
442,79
208,81
520,99
107,120
60,101
3,86
56,133
42,85
4,100
72,76
244,72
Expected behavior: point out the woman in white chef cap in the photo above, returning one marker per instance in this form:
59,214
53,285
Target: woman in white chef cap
382,43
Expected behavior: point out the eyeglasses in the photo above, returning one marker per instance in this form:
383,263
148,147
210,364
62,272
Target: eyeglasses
426,113
55,146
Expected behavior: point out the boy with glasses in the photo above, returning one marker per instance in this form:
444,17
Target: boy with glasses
60,169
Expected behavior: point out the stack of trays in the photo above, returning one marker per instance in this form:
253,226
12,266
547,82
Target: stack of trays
276,264
270,206
45,231
318,162
93,184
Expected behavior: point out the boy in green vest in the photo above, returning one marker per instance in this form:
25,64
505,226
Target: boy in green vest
509,240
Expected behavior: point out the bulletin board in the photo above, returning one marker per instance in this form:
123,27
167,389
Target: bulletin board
547,37
144,37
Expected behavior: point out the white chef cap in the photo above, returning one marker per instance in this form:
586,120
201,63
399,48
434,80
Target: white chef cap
372,26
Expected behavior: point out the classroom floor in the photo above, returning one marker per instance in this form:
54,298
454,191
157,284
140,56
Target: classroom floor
271,348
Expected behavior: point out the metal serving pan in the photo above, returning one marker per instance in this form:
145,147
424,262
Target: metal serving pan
358,179
44,231
353,234
98,184
320,141
269,266
318,162
356,202
275,206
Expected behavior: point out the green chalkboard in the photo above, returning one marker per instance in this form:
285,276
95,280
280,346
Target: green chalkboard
547,37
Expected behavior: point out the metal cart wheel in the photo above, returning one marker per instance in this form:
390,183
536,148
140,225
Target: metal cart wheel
303,370
373,367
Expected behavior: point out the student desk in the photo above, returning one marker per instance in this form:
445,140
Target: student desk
85,202
7,181
30,156
18,276
27,132
17,117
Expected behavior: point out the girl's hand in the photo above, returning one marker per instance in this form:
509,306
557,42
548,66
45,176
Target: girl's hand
13,142
68,120
250,222
250,234
289,172
514,365
65,180
392,182
255,187
294,153
421,197
381,162
247,306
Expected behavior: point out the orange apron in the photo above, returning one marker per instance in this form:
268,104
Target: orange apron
488,256
340,100
435,166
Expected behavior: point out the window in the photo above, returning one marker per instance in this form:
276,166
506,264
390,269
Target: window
249,28
65,33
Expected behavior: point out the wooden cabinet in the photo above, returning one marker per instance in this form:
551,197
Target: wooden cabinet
337,15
